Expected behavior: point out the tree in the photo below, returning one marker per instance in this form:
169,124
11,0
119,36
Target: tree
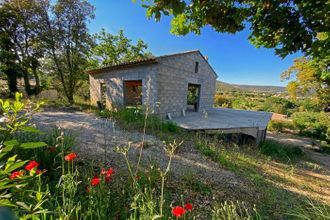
112,49
20,47
67,41
308,79
286,25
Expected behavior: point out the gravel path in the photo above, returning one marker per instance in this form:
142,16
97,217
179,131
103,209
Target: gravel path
94,135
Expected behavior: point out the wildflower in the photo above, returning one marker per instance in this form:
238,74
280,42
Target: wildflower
178,211
31,165
95,181
16,174
188,207
137,177
88,189
70,156
107,173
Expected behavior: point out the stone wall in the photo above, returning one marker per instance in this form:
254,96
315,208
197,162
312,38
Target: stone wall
175,73
114,82
165,84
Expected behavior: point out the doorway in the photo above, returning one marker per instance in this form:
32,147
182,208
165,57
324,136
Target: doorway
193,97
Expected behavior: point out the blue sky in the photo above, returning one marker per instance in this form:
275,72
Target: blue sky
232,56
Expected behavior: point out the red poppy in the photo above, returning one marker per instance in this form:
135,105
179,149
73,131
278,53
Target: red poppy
178,211
70,156
16,174
137,177
31,165
95,181
107,173
52,149
188,207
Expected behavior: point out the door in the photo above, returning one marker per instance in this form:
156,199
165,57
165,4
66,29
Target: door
193,97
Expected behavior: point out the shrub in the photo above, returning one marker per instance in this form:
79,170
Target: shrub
281,151
280,125
312,124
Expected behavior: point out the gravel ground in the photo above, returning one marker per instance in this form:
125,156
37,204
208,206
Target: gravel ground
94,135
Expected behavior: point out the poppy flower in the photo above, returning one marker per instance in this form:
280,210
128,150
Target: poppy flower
16,174
137,177
31,165
188,207
107,173
70,156
178,211
95,181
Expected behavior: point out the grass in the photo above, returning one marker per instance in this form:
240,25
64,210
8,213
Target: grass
280,151
272,174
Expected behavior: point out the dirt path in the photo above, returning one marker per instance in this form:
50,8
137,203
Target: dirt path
308,144
95,134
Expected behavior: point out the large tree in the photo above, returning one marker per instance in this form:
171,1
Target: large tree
20,47
286,25
67,41
307,78
112,49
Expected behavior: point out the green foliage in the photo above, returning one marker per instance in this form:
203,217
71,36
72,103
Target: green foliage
306,22
133,118
280,125
112,49
15,119
278,105
313,124
234,211
281,151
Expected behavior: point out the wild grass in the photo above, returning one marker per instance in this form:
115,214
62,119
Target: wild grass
280,151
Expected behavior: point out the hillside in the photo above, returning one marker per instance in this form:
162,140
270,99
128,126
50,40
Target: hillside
227,87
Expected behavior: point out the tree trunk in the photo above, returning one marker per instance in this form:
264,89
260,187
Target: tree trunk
12,80
27,83
37,88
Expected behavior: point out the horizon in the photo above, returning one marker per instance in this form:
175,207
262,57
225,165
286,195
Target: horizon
239,63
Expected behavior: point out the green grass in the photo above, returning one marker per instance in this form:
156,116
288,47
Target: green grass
280,151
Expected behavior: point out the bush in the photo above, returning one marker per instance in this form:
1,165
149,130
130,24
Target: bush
279,105
280,151
312,124
280,125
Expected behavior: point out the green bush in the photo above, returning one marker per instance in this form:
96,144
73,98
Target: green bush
280,125
312,124
280,151
279,105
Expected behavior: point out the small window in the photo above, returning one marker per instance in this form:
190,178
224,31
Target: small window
196,67
133,92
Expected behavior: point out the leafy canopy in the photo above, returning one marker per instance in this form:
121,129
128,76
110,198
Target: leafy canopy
112,49
286,25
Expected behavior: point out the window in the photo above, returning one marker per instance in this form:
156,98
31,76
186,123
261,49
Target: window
133,92
196,67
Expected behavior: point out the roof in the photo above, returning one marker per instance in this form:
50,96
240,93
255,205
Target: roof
145,61
123,65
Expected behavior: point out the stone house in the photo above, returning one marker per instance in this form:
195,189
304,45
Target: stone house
169,85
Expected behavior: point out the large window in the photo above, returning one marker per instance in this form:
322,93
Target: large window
133,92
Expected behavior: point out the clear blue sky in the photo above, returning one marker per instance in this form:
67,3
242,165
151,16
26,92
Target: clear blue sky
232,56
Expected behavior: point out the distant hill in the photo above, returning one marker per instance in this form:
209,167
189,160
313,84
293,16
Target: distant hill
227,87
